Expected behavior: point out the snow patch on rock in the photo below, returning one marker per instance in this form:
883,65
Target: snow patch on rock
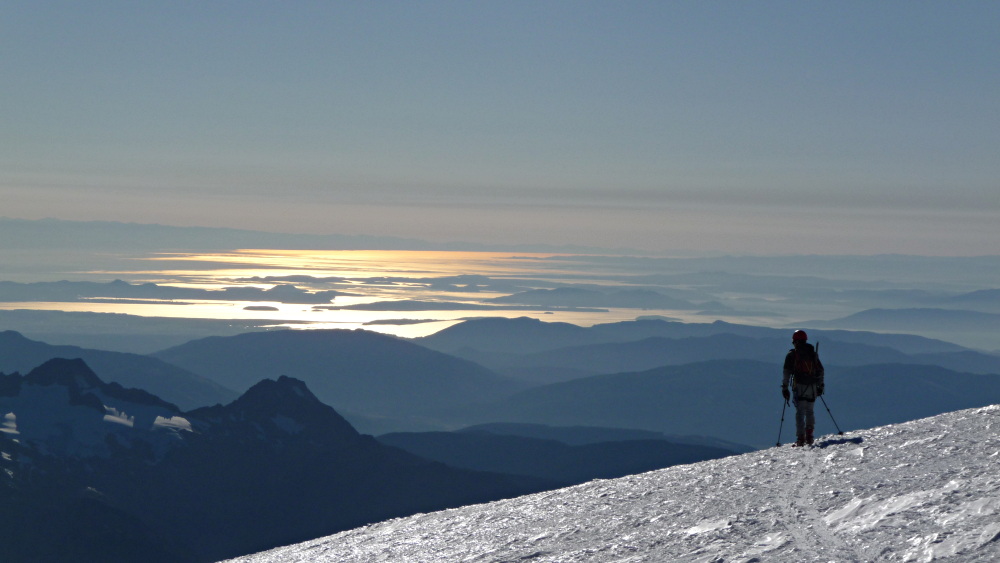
115,416
9,424
173,423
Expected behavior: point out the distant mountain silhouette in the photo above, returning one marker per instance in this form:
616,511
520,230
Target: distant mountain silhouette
739,400
564,364
521,335
549,459
987,300
972,362
540,352
120,332
524,336
358,372
942,320
176,385
273,467
643,354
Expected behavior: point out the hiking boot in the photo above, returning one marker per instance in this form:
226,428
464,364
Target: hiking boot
809,436
799,442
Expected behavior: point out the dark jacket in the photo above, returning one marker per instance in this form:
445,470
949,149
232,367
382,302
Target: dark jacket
804,386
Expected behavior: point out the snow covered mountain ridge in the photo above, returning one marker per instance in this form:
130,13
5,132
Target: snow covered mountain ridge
64,409
118,474
926,490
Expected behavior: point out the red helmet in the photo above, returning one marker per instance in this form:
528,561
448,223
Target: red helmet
799,336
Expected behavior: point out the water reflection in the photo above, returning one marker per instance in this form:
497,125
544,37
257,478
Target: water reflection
406,293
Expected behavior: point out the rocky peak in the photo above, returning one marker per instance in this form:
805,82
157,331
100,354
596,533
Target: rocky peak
82,383
75,374
286,396
282,407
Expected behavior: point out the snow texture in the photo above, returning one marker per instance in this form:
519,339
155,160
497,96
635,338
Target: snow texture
926,490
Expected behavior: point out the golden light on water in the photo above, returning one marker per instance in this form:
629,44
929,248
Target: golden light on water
248,263
434,288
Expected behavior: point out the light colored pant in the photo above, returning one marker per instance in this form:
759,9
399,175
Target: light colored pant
804,397
805,417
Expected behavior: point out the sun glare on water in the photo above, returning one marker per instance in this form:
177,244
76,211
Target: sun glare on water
433,289
249,263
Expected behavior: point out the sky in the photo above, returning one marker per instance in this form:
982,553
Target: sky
769,127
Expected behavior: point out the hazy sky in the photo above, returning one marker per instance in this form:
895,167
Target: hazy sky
763,127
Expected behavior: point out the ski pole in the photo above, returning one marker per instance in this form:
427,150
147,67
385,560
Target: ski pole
839,431
780,426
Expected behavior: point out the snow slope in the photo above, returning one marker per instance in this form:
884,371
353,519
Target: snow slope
925,490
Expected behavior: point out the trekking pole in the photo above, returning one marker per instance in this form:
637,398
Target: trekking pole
780,426
839,431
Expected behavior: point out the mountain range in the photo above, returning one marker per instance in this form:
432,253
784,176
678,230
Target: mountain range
541,352
578,361
170,382
369,377
935,319
120,471
385,384
97,472
526,335
740,401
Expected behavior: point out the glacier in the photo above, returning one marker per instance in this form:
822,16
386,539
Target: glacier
925,490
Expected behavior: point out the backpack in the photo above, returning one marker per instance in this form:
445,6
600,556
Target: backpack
804,367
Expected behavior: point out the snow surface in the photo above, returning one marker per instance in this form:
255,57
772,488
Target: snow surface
926,490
